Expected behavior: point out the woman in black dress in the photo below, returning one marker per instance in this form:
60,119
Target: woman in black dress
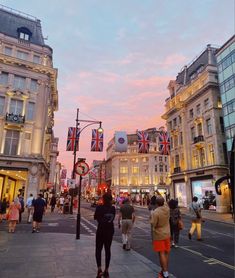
105,215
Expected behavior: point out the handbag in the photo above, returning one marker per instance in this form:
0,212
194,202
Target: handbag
180,224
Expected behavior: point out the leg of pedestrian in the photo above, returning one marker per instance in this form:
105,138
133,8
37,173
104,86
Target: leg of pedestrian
193,227
199,231
128,234
107,246
98,253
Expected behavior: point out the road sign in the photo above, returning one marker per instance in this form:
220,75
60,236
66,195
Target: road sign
81,168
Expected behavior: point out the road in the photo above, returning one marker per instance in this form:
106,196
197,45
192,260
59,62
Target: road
213,257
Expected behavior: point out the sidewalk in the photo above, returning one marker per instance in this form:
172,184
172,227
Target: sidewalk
209,215
45,255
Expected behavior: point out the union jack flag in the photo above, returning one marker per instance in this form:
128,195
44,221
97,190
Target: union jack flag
71,139
97,141
164,143
143,141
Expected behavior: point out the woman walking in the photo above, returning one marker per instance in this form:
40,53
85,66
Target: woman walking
175,216
105,215
14,213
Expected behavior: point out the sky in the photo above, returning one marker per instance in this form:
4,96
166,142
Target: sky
115,58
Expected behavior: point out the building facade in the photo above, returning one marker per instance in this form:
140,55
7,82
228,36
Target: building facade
226,72
28,100
137,175
194,119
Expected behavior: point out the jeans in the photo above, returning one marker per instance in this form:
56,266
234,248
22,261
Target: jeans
174,233
103,239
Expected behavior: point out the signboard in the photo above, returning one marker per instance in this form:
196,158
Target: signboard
81,168
71,183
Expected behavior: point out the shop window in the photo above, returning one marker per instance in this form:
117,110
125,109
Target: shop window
4,78
30,111
16,106
11,142
19,82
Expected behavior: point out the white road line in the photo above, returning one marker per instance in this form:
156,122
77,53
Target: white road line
218,233
90,223
208,260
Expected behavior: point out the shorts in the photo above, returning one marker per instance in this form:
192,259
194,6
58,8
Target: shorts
162,245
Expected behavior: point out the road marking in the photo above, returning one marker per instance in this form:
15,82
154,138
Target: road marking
53,224
87,221
208,260
218,233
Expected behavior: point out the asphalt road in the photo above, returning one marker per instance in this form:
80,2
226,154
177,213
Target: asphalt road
213,257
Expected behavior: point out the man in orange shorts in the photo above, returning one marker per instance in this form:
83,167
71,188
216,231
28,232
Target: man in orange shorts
161,234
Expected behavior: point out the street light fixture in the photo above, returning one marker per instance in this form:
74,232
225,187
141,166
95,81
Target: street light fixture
100,130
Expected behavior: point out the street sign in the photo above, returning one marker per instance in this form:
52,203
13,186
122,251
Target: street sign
81,168
71,183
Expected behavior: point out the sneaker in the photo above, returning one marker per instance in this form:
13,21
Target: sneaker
189,236
172,244
124,246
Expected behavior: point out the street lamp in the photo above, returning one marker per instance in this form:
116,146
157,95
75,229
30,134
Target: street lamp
77,135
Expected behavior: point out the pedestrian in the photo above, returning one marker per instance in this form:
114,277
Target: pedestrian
13,215
175,217
39,206
195,209
53,202
161,234
3,211
126,218
105,215
21,200
61,204
152,206
29,206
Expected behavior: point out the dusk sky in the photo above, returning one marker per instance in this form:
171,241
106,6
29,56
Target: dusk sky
115,58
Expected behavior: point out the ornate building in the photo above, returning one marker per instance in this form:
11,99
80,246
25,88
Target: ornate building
137,174
194,119
28,100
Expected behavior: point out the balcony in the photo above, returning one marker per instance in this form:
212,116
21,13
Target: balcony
177,170
15,118
198,139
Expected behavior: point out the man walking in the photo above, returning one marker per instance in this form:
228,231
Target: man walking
161,234
29,206
196,218
39,209
127,217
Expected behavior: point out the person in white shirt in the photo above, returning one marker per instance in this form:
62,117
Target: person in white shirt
61,203
29,206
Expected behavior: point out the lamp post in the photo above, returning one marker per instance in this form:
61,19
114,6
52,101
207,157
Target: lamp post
77,135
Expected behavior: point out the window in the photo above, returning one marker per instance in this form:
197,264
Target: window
4,78
166,168
222,124
209,126
27,136
24,36
22,55
175,141
161,168
145,159
170,125
174,122
36,59
123,170
165,158
16,106
123,181
160,158
177,161
156,168
211,154
8,51
146,180
195,159
181,138
30,111
33,85
192,133
206,103
202,157
191,113
180,120
19,82
135,170
134,180
11,142
198,109
2,103
199,129
225,153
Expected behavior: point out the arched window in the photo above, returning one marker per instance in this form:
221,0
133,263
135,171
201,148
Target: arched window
24,33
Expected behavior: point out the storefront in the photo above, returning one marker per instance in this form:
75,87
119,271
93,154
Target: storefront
204,189
180,193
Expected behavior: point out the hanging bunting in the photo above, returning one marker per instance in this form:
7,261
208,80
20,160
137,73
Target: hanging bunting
72,138
143,141
164,143
97,141
120,141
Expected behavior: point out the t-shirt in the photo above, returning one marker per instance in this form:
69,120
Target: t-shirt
105,216
126,210
39,205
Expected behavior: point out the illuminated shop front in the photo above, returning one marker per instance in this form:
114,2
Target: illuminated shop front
180,193
12,183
